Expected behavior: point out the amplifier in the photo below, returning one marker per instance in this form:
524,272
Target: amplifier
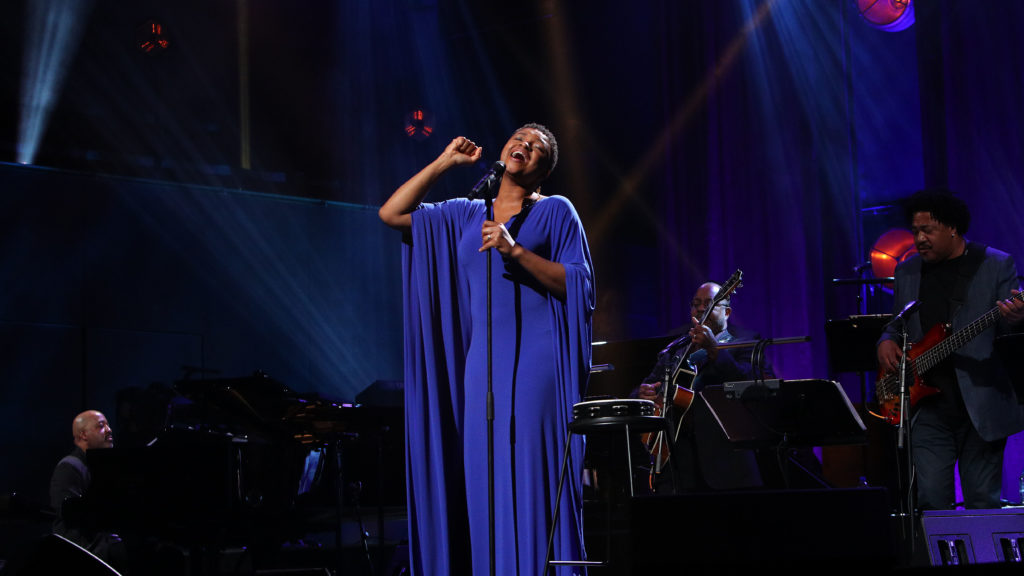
961,537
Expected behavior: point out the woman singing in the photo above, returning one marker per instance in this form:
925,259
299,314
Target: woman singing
542,301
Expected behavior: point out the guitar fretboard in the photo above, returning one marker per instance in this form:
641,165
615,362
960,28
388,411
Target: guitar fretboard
937,353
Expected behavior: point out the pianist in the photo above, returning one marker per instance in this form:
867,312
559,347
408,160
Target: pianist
71,478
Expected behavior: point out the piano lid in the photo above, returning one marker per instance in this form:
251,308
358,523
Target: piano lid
261,405
632,360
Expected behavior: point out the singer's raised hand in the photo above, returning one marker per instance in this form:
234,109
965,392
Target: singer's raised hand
396,212
462,150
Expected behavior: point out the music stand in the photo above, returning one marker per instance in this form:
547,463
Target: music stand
1010,349
772,413
852,341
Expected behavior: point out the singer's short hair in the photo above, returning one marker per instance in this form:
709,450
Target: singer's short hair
552,141
944,206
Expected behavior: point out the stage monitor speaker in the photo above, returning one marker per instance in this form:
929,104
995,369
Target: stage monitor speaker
804,529
966,537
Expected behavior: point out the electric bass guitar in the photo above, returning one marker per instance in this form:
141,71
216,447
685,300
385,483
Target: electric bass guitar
922,356
682,397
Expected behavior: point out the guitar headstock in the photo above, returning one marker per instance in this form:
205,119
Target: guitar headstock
731,285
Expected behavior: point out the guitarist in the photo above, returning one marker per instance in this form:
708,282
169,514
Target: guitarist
976,409
724,468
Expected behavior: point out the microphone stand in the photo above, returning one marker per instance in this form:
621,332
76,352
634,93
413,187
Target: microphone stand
903,427
488,202
662,441
486,186
903,436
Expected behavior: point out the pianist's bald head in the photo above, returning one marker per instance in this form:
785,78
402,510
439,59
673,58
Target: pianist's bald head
91,430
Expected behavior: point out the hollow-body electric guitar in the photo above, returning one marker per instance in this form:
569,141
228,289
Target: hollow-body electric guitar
681,396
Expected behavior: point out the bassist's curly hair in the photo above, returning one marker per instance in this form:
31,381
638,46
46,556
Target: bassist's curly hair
944,206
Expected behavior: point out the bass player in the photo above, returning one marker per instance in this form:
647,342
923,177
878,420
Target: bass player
973,408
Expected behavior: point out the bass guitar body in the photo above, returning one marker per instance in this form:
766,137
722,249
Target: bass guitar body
888,386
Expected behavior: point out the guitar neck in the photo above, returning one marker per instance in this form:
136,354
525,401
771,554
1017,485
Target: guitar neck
956,340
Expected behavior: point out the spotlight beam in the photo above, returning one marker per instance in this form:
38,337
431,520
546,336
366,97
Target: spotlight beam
52,32
632,181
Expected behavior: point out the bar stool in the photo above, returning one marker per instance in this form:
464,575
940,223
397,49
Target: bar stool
607,415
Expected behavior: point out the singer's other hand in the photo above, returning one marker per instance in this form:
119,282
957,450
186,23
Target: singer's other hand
494,235
889,356
1012,308
462,151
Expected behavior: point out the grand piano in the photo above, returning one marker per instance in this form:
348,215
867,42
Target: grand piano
246,463
619,366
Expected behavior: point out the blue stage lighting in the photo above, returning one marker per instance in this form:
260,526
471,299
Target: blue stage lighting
52,33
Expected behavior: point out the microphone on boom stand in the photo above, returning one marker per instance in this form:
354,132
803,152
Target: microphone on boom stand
486,188
483,187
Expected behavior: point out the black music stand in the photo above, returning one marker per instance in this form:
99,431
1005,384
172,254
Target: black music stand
773,413
1010,349
852,342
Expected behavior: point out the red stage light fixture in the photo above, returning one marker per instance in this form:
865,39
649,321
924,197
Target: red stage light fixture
888,15
150,37
418,125
891,248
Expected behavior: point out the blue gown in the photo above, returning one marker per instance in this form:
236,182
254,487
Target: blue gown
541,364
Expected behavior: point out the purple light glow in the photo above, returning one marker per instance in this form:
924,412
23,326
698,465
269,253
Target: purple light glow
887,15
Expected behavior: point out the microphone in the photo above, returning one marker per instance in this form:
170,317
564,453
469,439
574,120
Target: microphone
909,309
675,343
483,187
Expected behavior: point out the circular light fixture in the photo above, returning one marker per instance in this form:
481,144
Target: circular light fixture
887,15
891,248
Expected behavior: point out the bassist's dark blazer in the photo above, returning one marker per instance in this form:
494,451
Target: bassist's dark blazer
988,394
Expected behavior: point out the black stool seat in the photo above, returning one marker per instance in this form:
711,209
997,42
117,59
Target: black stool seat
630,414
618,423
624,415
606,407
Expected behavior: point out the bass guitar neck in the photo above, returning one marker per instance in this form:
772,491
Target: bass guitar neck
924,355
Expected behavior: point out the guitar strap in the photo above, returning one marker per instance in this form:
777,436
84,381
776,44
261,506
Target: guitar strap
969,264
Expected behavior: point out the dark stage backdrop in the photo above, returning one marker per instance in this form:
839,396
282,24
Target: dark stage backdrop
808,126
113,284
697,138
